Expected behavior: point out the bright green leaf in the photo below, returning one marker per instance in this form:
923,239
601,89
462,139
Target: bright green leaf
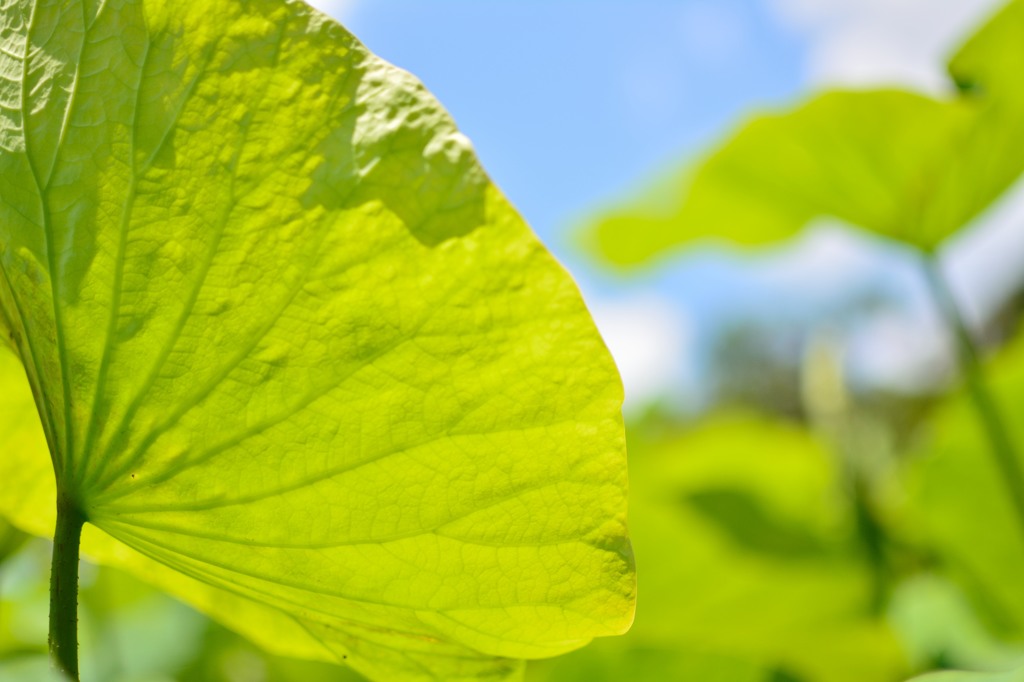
901,165
744,602
294,355
891,162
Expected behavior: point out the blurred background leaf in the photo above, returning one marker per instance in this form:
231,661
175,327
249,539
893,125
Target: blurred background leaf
902,165
749,555
957,503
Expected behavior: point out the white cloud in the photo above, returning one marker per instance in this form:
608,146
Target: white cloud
911,354
650,341
827,254
870,42
983,265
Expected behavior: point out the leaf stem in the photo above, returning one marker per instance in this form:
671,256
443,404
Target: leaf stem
64,587
1001,444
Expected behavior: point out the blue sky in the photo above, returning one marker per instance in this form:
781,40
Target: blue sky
572,105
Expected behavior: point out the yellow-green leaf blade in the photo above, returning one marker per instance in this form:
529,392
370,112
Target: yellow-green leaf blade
886,161
901,165
289,341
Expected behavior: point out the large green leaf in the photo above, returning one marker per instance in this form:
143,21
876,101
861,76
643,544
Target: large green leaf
750,564
898,164
293,354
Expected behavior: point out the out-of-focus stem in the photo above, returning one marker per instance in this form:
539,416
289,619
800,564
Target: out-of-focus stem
64,588
1001,444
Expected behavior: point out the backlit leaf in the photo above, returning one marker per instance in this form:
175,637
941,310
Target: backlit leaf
724,604
898,164
293,354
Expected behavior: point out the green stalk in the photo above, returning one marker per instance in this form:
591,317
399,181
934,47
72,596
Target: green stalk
1001,444
64,588
873,539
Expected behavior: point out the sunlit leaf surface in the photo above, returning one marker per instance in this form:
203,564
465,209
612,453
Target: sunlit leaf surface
293,354
751,565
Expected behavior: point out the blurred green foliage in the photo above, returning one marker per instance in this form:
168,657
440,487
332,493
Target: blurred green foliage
1015,676
748,554
899,164
130,632
957,503
991,61
825,535
905,555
